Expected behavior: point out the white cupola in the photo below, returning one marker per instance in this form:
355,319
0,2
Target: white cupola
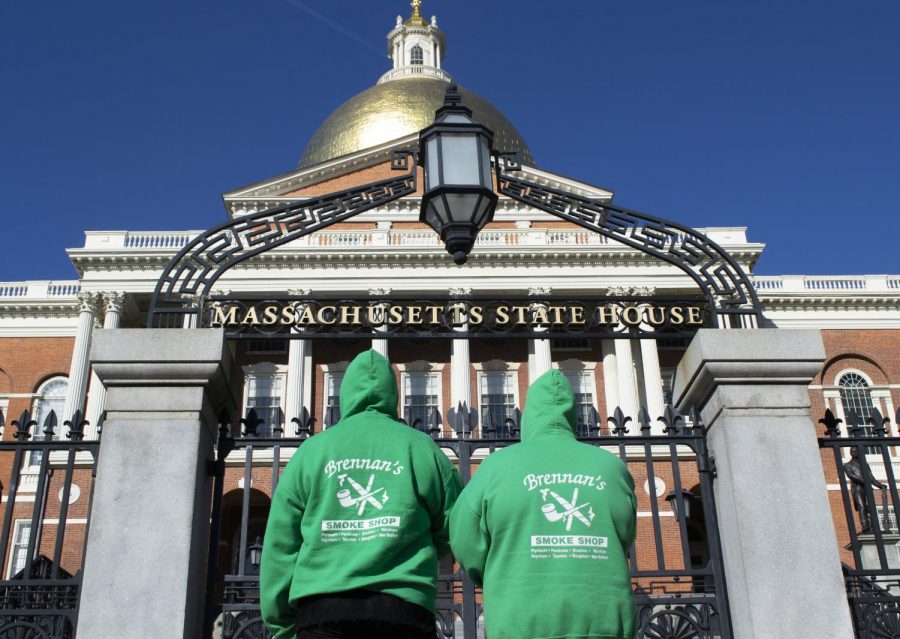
416,48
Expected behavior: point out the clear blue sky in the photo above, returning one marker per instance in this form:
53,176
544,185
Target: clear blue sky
779,115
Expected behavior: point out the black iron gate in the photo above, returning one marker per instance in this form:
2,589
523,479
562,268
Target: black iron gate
49,477
676,565
861,461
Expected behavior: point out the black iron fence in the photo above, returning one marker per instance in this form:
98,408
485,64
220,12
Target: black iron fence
861,462
47,473
676,563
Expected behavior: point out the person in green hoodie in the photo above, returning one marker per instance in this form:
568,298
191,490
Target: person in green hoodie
545,525
358,522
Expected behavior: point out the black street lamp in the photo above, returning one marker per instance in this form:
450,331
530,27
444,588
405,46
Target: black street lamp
686,497
459,197
254,554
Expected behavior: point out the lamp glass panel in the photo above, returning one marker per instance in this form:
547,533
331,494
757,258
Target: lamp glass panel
456,118
432,168
482,217
436,215
460,158
462,206
485,161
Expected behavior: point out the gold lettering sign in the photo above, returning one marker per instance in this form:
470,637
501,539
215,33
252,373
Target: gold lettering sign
410,317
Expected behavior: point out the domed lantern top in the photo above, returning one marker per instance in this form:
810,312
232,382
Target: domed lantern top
459,198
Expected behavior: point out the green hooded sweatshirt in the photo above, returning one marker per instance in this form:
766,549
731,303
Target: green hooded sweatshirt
363,505
544,527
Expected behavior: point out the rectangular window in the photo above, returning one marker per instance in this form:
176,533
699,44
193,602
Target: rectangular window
420,398
18,558
886,520
585,414
264,393
498,403
267,346
571,344
333,398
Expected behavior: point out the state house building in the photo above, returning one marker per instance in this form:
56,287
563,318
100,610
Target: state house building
526,261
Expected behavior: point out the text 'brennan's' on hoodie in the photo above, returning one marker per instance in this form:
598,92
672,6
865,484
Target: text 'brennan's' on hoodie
545,526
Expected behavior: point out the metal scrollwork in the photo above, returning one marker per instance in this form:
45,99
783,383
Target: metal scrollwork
678,623
885,625
728,288
192,272
244,625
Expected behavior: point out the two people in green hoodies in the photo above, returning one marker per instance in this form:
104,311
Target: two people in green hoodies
361,513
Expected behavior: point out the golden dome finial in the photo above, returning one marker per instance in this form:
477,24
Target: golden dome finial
416,19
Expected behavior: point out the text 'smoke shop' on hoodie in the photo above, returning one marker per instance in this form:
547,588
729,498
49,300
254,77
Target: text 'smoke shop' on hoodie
545,526
362,505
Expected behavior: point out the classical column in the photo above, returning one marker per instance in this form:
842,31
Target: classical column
610,376
539,357
113,304
628,392
380,346
460,365
750,386
653,391
295,390
80,367
165,388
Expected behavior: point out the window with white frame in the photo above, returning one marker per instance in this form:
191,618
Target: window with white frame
582,382
856,397
497,393
264,392
887,521
416,55
421,393
18,554
51,396
332,408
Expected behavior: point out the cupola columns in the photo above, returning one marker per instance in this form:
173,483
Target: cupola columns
416,47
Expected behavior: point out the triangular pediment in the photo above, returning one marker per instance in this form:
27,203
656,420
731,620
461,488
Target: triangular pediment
358,169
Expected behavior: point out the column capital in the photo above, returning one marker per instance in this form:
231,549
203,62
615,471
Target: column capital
88,302
113,301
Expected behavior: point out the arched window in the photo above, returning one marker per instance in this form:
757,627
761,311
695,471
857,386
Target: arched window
416,56
856,396
51,396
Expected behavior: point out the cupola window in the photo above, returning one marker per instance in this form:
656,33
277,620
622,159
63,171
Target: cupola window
416,55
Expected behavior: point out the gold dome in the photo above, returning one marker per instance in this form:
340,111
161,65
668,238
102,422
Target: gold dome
397,109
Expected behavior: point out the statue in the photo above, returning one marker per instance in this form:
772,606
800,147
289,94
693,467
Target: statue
859,473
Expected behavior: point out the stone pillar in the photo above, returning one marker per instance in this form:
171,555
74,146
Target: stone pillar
113,305
145,561
610,376
80,367
653,391
628,392
380,346
776,528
